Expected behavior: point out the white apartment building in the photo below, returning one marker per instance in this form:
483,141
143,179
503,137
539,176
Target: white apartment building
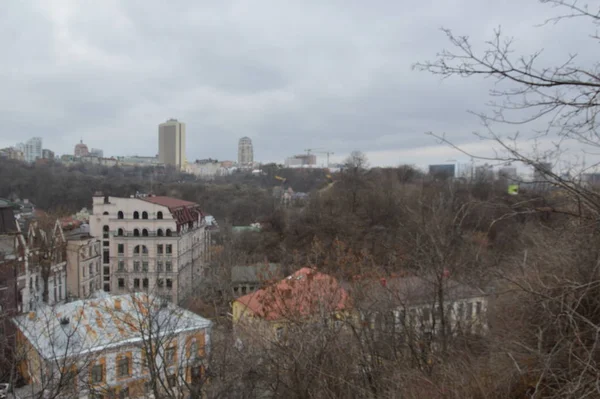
32,149
84,269
152,244
245,152
112,346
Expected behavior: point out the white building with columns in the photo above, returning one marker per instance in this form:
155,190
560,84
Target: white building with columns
149,243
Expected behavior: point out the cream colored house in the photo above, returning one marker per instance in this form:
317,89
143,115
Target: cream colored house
112,346
150,243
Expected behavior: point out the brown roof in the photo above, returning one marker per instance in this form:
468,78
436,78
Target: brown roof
304,293
182,211
169,202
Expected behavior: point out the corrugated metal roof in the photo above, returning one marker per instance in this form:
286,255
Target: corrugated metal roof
101,323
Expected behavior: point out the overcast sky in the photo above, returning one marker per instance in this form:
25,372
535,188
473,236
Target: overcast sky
334,74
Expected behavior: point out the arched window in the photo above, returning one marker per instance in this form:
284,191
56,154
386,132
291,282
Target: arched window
168,234
120,232
144,233
144,215
120,215
159,232
159,215
136,215
105,213
140,249
105,231
136,232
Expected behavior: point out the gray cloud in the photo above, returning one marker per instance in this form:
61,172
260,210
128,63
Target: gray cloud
291,75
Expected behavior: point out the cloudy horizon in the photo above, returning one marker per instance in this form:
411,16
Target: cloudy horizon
292,76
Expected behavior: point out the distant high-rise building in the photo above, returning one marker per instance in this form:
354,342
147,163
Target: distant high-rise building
508,172
245,152
32,149
96,152
540,171
81,150
47,154
301,160
171,143
443,171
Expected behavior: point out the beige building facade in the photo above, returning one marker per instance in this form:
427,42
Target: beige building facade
171,143
151,244
84,268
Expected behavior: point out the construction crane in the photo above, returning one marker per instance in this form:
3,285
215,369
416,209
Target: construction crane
319,151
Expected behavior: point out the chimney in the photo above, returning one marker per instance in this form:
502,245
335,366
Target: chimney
117,303
31,315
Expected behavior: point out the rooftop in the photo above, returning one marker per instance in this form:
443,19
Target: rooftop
256,273
306,292
169,202
91,325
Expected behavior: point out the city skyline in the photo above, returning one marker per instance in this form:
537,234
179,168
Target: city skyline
286,91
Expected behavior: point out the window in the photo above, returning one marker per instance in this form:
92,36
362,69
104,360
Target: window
121,267
91,287
160,282
169,266
243,290
91,269
136,265
123,367
105,231
159,232
105,243
279,333
136,249
145,282
136,232
105,213
478,309
120,215
469,311
83,271
97,374
144,233
144,215
145,266
144,250
136,283
136,215
460,314
159,249
159,266
120,232
106,256
194,349
89,252
121,283
169,284
121,249
169,248
159,215
97,267
170,355
168,233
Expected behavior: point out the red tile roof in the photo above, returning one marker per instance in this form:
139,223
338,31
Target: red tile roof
304,293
